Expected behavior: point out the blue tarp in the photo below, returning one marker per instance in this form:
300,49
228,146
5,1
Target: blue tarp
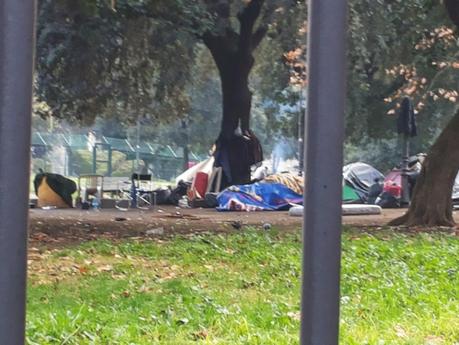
258,197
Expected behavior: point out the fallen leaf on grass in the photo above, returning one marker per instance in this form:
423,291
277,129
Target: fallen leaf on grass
200,335
83,269
105,268
434,340
294,315
144,288
400,332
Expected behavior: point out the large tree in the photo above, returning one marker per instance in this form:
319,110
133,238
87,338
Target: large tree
128,57
233,46
431,203
239,28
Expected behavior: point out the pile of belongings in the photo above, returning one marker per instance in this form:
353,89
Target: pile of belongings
274,193
54,190
358,181
391,194
193,186
293,182
282,191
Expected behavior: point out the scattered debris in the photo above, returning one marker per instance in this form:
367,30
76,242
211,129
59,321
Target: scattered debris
182,216
201,335
237,224
157,231
184,203
294,315
47,208
120,219
183,321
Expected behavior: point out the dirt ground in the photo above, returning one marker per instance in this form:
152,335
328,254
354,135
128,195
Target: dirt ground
75,225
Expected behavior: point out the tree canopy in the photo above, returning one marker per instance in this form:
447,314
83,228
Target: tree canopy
118,59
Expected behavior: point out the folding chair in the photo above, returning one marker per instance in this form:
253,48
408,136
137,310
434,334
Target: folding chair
136,193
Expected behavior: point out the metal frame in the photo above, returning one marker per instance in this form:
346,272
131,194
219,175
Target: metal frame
324,133
145,197
17,22
106,147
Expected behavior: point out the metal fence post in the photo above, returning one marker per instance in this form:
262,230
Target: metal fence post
17,22
324,132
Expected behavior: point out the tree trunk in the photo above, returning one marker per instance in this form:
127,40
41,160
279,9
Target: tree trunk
237,97
233,54
237,103
432,198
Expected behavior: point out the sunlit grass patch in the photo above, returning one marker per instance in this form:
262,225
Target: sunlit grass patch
241,289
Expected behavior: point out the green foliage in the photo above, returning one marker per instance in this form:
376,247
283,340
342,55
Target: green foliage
387,36
128,58
95,60
241,289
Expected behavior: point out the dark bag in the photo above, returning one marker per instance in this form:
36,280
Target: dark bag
178,192
255,151
387,200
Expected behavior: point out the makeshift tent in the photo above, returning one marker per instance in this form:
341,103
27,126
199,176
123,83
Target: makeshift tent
258,197
360,176
204,166
350,196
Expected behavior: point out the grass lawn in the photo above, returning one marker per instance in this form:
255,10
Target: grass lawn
241,289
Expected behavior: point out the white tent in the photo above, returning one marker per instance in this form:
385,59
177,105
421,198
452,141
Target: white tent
204,166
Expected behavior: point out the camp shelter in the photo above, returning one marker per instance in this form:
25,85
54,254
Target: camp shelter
350,195
359,177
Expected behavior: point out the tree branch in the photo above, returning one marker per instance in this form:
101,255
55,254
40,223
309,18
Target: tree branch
222,47
258,36
247,18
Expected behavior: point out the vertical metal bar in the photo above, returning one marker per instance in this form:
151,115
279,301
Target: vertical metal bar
137,146
324,132
110,159
300,136
17,22
405,169
94,159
